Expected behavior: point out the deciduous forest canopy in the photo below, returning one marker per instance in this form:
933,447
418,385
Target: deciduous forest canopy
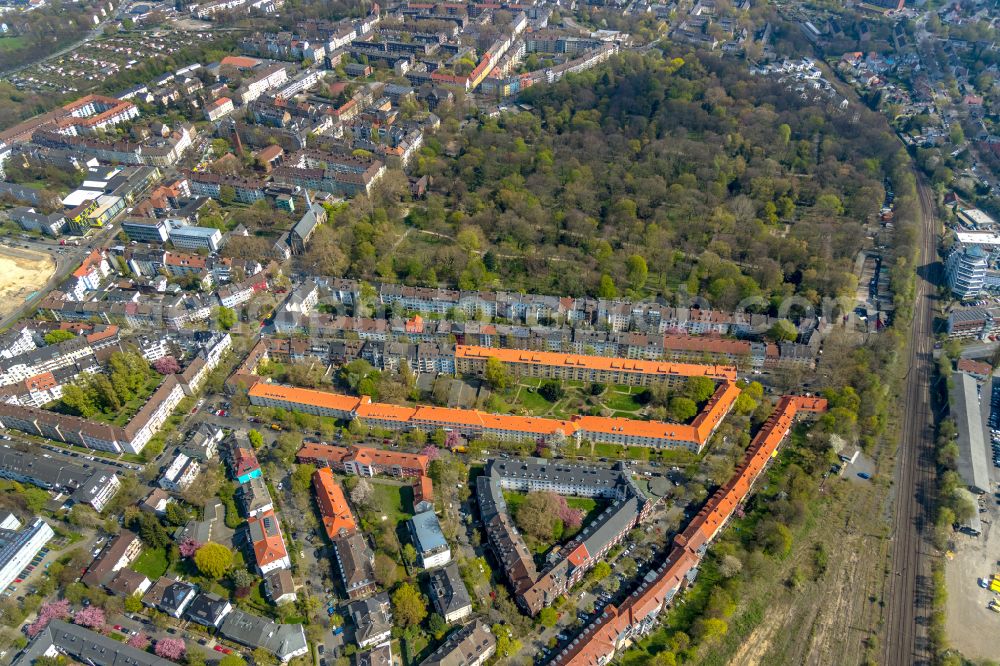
651,174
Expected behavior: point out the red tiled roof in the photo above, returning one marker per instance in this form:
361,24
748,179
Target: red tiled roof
603,363
337,517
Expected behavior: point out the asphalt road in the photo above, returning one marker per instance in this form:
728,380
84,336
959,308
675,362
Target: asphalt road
909,590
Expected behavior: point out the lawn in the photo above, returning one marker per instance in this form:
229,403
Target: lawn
588,504
621,402
12,43
394,501
533,401
513,500
152,563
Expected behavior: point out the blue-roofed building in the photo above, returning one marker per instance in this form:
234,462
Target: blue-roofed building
428,539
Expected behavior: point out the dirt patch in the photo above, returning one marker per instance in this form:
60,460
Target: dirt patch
22,273
970,625
754,649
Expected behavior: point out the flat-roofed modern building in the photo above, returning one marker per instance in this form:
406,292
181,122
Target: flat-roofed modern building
146,230
19,545
196,238
432,547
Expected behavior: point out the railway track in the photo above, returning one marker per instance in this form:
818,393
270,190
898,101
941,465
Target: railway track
909,590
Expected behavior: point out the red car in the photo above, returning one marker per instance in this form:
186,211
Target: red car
223,650
119,627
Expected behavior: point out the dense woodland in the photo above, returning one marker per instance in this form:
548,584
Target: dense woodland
653,174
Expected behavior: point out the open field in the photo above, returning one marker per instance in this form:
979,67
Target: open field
12,43
22,273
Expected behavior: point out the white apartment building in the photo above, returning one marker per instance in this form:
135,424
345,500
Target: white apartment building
18,546
180,474
270,77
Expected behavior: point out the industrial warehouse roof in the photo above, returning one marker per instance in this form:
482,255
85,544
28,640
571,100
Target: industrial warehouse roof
965,409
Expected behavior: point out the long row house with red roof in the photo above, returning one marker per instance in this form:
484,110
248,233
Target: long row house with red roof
637,614
474,423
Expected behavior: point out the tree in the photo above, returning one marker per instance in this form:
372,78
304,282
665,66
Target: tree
682,409
496,374
167,365
363,493
698,389
34,498
745,404
409,553
89,616
227,194
139,641
637,271
548,617
57,336
710,629
213,560
409,606
538,515
775,538
571,518
256,439
552,390
730,566
437,626
195,657
601,571
829,204
176,514
263,657
242,578
220,147
133,604
386,570
607,287
170,648
55,610
226,317
507,645
783,330
188,547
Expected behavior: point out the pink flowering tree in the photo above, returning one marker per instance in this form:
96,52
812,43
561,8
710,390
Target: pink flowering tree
570,517
188,547
56,610
170,648
91,617
453,440
140,641
432,452
167,365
